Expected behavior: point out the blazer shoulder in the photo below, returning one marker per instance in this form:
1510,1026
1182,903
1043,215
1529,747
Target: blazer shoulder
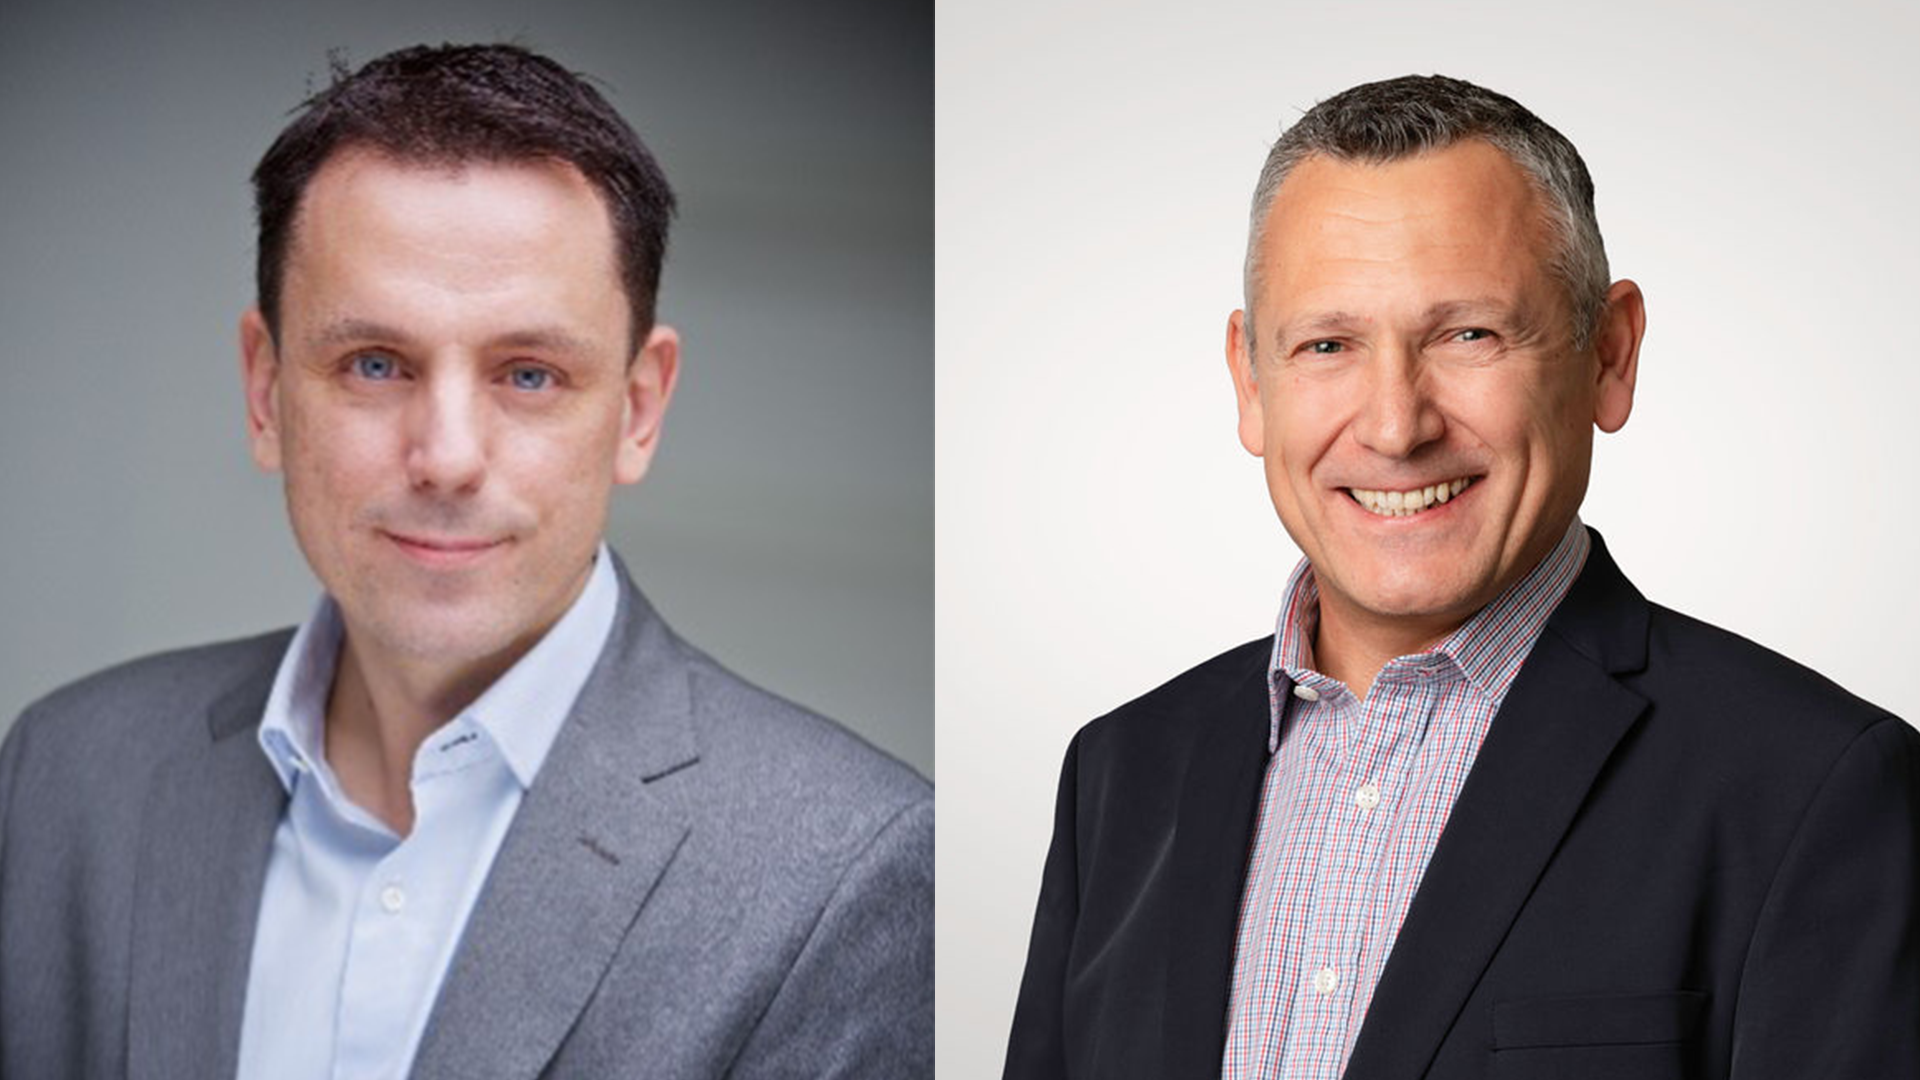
1179,709
788,754
1786,699
147,699
1773,729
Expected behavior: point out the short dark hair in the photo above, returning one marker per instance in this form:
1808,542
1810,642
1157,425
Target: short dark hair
454,104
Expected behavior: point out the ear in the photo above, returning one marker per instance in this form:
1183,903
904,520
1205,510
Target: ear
1618,347
260,378
1246,387
650,380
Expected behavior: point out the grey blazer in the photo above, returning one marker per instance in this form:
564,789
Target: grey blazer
703,881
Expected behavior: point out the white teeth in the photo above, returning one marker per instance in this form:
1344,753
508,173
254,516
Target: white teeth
1407,503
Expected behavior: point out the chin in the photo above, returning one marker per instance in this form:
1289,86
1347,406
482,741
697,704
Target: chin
1417,592
1417,609
443,635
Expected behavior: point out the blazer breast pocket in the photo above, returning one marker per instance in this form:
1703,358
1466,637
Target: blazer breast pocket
1598,1037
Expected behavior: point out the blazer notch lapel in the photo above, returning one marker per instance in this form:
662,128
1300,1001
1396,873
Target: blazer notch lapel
208,833
1554,733
564,892
1219,801
589,845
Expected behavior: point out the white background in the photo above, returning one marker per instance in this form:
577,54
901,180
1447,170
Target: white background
1099,527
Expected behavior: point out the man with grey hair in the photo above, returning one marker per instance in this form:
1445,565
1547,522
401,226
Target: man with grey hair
1476,808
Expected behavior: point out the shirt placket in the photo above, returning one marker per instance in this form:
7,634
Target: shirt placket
400,915
1358,809
1408,711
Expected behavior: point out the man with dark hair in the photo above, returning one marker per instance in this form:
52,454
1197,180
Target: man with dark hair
1477,808
482,813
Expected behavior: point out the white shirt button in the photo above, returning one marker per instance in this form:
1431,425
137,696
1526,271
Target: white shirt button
1305,693
1367,797
1325,981
392,899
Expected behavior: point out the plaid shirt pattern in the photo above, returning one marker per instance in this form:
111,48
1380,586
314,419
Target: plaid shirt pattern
1355,797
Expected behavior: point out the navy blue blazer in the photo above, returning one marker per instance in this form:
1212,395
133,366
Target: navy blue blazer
1678,855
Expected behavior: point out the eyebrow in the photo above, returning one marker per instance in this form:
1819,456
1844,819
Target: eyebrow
1484,308
552,339
1319,322
1324,322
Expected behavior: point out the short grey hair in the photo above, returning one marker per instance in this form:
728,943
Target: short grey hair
1382,122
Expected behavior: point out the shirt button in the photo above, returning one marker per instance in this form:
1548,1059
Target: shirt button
392,899
1305,693
1367,797
1325,980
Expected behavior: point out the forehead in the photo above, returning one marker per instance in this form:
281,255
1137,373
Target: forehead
375,232
1461,218
525,200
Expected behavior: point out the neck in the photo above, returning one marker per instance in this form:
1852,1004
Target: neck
385,702
1352,646
383,707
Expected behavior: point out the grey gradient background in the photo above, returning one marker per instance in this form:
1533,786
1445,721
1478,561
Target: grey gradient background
786,526
1100,528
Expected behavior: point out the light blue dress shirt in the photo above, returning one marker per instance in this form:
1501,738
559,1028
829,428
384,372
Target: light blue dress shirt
358,925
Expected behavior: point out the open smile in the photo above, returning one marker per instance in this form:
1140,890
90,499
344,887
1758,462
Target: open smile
1410,502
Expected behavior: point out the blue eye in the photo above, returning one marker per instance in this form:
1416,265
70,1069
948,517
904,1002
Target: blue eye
1324,348
531,378
375,366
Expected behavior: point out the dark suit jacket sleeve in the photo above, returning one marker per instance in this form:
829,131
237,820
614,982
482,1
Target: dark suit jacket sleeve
1036,1048
859,999
1831,986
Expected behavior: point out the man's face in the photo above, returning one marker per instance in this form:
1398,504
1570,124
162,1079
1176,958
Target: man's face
451,399
1411,340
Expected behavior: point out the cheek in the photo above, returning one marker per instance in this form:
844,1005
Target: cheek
562,464
1560,422
1514,416
1302,425
334,458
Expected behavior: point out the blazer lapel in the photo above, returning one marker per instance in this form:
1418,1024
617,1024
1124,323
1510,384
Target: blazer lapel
585,850
207,835
1211,841
1560,722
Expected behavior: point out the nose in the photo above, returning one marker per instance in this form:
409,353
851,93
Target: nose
446,438
1397,413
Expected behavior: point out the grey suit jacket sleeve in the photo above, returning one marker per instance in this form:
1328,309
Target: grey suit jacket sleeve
859,999
9,763
9,756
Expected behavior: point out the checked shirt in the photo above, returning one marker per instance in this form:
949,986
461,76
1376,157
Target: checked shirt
1355,798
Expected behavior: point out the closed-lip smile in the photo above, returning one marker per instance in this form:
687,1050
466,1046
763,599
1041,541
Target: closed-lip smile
441,550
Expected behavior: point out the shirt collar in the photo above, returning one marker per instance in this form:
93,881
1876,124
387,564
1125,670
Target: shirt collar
523,710
1488,648
297,704
521,713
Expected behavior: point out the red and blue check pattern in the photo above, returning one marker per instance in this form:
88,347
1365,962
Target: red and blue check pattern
1355,797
